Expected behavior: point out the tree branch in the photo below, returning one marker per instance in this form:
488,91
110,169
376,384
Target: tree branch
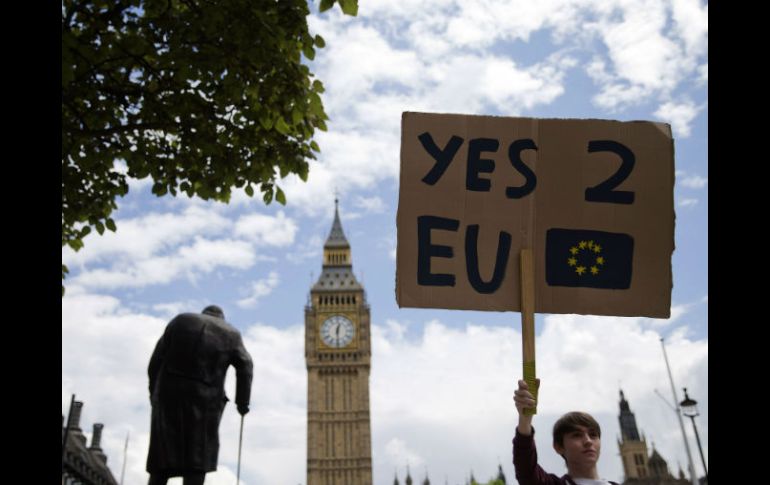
125,128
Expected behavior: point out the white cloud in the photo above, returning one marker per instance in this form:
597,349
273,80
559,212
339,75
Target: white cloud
691,20
703,73
351,161
677,311
307,249
142,237
647,58
376,61
171,309
469,83
694,182
370,204
202,256
206,254
640,52
393,332
398,452
259,289
162,247
679,115
618,95
265,230
358,159
392,248
503,84
685,202
105,351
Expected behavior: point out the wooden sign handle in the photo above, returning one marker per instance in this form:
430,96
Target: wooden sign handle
528,324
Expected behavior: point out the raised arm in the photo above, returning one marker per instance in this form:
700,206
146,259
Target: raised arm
524,399
528,472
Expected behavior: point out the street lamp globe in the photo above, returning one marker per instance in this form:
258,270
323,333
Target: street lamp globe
689,406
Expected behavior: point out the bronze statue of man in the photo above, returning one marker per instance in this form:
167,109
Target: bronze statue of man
187,391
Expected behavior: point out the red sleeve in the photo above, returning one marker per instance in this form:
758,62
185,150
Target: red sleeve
528,472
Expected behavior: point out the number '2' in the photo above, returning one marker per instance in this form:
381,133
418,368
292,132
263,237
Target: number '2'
604,191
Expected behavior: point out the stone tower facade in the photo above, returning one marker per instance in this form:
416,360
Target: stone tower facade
338,358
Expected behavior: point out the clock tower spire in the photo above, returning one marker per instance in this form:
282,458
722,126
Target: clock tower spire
337,247
338,358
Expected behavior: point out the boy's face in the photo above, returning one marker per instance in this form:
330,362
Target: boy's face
581,447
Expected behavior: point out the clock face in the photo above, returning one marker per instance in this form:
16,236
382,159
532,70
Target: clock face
337,331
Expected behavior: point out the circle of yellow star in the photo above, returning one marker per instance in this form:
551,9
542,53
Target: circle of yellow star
590,247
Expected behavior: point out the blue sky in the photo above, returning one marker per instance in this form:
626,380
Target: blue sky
442,381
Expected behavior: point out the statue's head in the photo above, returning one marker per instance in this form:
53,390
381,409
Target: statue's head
214,311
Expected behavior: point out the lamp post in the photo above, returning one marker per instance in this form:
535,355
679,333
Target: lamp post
690,409
693,477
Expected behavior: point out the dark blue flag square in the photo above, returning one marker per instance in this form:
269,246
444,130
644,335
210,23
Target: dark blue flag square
593,259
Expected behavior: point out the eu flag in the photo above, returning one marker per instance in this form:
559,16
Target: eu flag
593,259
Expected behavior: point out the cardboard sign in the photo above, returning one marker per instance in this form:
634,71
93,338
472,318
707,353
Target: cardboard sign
593,199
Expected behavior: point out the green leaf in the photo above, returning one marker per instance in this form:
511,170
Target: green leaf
281,126
308,50
349,7
318,86
122,190
320,42
303,170
316,106
75,244
315,146
296,116
279,196
252,91
265,121
100,228
249,190
110,225
326,5
268,196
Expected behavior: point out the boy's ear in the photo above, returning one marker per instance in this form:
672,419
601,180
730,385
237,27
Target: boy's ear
559,449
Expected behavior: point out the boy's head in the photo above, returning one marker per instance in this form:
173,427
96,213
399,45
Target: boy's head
577,438
570,422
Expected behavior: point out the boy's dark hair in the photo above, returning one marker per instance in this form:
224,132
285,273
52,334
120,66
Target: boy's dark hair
569,422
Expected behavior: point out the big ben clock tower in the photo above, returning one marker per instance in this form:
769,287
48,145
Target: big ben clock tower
338,356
